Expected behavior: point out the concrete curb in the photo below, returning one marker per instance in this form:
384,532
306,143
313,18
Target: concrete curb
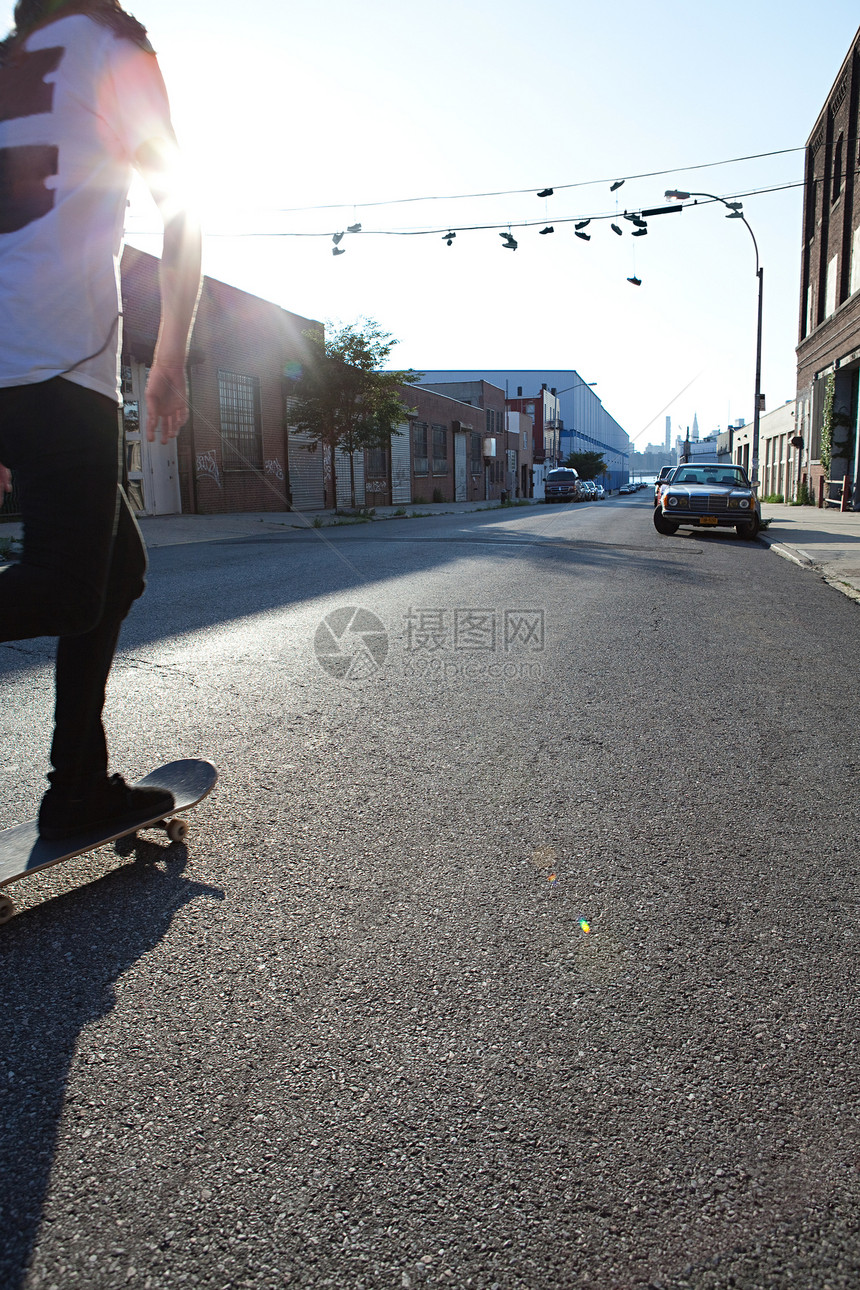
846,588
804,560
788,553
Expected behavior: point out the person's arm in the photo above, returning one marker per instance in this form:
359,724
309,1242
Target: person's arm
5,481
179,275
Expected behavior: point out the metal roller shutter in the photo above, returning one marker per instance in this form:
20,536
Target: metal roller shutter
306,474
341,470
401,465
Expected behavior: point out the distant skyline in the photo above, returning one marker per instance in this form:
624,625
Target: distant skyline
282,107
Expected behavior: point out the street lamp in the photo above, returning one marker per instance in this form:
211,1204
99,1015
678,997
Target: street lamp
568,388
736,212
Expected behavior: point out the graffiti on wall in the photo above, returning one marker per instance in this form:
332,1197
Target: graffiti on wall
275,468
207,464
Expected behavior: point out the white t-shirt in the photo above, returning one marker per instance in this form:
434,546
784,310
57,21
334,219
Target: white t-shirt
76,104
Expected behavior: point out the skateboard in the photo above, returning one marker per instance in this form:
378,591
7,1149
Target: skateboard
23,851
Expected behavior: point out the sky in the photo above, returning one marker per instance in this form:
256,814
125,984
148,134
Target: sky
281,106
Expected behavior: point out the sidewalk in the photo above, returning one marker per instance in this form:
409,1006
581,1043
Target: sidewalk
179,530
176,530
826,541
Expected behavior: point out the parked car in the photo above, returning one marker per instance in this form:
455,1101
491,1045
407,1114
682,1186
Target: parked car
709,496
589,490
562,485
627,488
663,480
601,492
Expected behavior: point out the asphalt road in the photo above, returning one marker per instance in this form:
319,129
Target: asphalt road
517,946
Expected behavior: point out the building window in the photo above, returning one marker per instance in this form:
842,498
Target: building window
836,187
420,463
830,287
377,463
477,455
494,425
812,422
241,421
855,260
440,450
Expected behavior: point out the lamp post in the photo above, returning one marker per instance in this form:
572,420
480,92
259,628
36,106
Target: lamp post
579,383
736,212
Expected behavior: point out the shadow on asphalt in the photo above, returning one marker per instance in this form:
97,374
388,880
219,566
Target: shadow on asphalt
61,960
783,532
301,566
352,557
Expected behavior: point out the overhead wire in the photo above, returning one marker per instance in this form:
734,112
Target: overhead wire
441,229
515,192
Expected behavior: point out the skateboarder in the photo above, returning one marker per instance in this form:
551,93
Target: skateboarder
82,102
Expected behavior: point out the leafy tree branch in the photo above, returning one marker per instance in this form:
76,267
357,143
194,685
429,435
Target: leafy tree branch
588,465
343,398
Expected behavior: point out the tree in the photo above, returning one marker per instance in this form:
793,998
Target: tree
588,465
343,399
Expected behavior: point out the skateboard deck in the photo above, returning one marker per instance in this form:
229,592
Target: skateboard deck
23,851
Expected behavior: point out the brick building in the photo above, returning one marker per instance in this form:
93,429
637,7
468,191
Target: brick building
520,449
828,353
544,409
478,459
235,453
238,452
582,422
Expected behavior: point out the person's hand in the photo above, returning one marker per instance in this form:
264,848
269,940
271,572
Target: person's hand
166,400
5,480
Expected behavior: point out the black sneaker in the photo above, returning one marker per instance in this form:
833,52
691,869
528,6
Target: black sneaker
108,802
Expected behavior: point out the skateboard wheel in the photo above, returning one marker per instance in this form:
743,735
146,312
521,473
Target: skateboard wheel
7,908
177,830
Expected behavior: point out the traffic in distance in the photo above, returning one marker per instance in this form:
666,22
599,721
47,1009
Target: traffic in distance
563,484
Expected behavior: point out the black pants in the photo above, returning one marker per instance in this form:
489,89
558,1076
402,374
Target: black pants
84,561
